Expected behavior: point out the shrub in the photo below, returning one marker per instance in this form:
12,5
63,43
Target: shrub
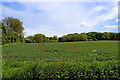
90,40
53,41
27,41
77,70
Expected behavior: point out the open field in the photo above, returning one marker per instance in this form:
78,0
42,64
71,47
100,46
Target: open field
66,60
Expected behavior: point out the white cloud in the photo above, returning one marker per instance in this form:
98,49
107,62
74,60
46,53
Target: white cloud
46,31
97,8
11,12
117,20
110,14
110,27
0,11
84,24
57,18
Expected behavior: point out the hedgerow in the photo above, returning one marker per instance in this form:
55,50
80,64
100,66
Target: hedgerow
61,70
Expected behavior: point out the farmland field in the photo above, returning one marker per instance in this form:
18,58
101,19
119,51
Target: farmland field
65,60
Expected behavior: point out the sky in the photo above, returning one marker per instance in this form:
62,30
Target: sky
61,18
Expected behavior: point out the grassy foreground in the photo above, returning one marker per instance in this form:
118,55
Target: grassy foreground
71,60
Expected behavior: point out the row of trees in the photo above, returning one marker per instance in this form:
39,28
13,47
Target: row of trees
90,36
12,31
40,38
73,37
102,36
37,38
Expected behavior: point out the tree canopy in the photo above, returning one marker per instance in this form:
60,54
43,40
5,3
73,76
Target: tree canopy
12,30
14,24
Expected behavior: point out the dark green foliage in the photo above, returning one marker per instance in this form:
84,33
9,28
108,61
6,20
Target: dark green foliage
55,37
40,38
14,24
61,70
12,30
73,38
27,40
102,36
46,40
37,38
90,36
53,41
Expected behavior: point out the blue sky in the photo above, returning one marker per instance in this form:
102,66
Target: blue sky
61,18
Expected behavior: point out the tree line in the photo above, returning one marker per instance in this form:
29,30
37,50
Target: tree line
12,31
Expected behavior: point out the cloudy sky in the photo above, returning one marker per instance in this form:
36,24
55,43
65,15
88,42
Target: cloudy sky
61,18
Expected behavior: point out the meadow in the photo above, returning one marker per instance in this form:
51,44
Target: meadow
63,60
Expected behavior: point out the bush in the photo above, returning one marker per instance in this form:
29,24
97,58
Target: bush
53,41
77,70
90,40
27,41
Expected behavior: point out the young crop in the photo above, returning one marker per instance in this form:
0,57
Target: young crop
39,47
68,46
72,60
73,47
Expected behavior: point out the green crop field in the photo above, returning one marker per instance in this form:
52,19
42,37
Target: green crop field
65,60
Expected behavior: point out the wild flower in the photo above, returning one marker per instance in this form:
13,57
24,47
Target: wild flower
94,51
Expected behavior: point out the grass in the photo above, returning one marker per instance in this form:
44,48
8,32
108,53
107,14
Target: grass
24,56
58,52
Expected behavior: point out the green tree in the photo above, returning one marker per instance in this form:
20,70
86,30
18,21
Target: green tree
31,38
55,37
106,35
113,36
26,40
12,30
64,38
50,38
14,24
46,39
70,38
39,38
60,39
82,37
92,35
99,36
